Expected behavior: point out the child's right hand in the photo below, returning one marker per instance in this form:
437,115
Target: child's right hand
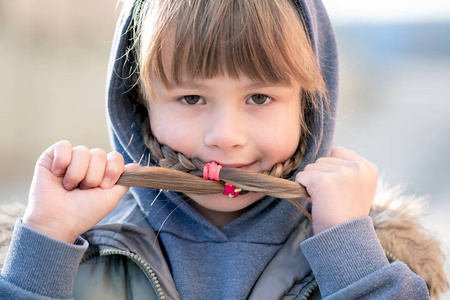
73,189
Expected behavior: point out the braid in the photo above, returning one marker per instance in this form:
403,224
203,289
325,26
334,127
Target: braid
283,170
168,158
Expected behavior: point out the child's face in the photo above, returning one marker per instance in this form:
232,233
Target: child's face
238,123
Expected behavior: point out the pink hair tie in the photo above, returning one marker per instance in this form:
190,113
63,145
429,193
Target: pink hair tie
231,191
211,171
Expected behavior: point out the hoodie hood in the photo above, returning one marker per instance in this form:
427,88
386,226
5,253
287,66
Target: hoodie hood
125,134
190,241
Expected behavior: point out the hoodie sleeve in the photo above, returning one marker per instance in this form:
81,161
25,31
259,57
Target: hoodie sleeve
39,267
349,262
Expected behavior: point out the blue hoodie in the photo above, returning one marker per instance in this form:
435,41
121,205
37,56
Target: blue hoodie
256,256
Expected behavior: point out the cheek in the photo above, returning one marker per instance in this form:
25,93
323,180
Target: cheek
285,132
279,140
284,139
172,131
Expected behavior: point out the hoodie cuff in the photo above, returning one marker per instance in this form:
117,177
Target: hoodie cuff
343,254
42,265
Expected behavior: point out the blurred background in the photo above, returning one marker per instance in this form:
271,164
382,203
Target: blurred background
394,97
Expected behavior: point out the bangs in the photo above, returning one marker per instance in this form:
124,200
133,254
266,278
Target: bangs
262,39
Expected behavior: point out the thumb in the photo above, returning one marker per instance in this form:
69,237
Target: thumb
56,157
116,192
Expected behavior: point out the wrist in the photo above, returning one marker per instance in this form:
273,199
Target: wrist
320,225
52,230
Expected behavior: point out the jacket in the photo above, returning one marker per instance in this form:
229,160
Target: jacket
396,219
136,275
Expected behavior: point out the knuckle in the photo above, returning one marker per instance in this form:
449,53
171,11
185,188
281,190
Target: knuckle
116,156
83,150
114,169
321,160
97,152
358,166
64,143
345,172
63,159
372,167
337,151
327,181
308,167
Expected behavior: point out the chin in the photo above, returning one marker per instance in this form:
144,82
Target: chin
223,203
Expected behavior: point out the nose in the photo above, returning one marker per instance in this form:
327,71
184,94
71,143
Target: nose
226,128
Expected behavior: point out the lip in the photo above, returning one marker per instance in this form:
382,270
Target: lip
238,166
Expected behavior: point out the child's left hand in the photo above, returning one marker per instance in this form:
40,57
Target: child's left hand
341,188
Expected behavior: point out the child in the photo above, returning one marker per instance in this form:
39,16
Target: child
251,85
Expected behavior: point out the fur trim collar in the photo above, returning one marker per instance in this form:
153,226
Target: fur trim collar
9,213
396,218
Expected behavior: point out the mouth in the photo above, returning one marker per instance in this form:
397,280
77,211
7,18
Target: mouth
238,166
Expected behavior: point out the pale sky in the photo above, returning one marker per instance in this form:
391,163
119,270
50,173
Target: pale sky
348,11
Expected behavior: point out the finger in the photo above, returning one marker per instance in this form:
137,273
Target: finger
96,169
115,166
345,154
323,167
62,157
56,158
355,160
131,166
331,164
116,192
309,180
332,161
78,167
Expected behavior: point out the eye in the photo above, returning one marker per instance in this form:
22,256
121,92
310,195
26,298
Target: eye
259,99
192,100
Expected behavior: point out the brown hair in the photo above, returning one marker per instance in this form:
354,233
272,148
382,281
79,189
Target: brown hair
192,183
265,40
